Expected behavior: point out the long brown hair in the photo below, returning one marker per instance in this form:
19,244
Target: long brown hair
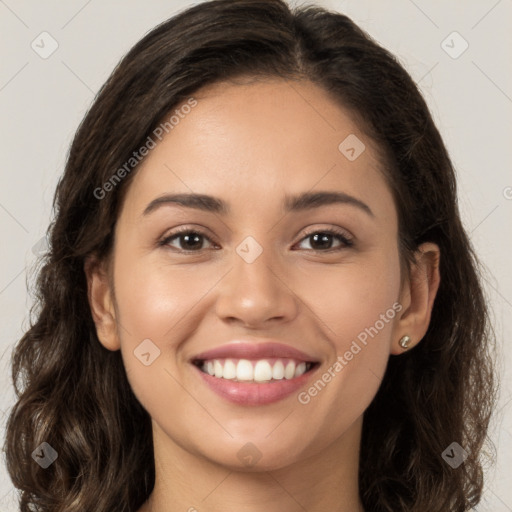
73,394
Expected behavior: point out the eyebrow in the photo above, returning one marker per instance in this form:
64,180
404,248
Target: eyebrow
297,203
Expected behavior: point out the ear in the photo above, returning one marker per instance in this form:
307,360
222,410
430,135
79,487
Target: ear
101,303
417,296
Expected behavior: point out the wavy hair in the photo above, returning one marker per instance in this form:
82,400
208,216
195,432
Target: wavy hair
74,394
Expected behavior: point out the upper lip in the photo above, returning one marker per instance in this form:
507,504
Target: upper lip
242,349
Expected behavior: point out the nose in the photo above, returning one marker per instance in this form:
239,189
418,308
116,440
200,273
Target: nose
256,294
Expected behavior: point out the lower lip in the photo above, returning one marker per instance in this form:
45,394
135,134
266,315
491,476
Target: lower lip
251,393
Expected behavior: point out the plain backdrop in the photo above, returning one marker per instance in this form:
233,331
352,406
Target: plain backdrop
465,78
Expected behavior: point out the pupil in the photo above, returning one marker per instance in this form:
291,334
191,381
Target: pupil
192,240
322,238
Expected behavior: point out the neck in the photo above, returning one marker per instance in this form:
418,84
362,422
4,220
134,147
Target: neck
326,481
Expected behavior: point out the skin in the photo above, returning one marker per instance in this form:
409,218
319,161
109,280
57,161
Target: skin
251,144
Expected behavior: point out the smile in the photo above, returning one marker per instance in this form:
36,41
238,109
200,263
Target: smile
262,370
248,373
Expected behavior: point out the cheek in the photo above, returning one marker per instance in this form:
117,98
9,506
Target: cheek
153,299
357,308
354,299
157,308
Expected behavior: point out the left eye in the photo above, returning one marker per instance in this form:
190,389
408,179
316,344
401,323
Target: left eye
323,240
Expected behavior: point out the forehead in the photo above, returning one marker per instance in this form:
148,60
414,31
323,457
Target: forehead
263,138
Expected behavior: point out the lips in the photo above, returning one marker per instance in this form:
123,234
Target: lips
247,350
254,374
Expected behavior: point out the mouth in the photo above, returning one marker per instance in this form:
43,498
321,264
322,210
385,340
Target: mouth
270,370
254,374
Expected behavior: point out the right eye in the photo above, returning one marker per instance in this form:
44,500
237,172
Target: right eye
188,240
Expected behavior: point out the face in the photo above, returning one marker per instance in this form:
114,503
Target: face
298,271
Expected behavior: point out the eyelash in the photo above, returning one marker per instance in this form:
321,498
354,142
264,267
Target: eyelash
346,241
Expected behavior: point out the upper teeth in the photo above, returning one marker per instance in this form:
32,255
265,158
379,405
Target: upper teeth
262,370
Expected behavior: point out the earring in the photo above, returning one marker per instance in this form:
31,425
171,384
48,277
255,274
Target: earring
404,340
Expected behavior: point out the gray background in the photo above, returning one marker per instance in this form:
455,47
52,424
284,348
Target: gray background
42,102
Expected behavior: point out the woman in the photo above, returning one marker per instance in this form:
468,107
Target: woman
259,294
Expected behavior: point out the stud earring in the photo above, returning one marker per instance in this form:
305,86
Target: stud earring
404,340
